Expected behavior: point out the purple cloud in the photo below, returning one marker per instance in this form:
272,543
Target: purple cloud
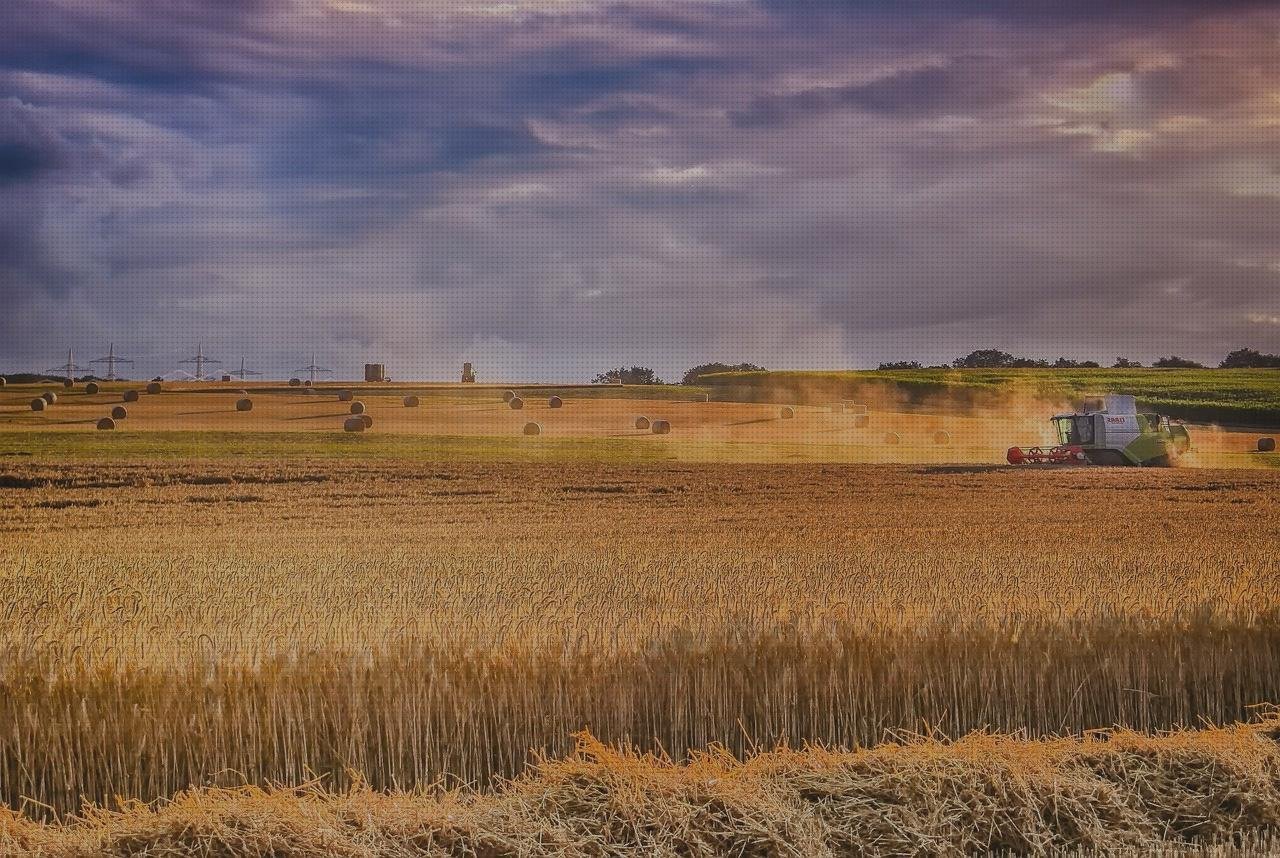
547,188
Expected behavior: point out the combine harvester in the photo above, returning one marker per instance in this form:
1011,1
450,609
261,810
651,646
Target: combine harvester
1116,435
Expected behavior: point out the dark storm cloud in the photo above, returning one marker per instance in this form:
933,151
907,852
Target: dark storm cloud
549,187
964,84
1040,11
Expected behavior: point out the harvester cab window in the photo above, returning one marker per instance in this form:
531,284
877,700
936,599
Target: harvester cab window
1064,425
1076,431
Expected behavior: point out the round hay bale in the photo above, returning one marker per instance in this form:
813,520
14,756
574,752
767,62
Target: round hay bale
555,402
508,396
106,423
226,378
893,438
353,424
516,403
244,405
411,402
862,421
119,412
660,427
131,396
357,408
345,396
3,381
1266,445
49,396
641,423
38,404
68,383
91,388
367,421
942,438
295,382
533,428
787,413
153,388
307,383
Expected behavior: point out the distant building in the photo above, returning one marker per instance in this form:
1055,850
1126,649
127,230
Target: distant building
375,372
468,374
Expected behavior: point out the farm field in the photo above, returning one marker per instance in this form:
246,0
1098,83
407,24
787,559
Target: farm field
1249,397
363,623
594,423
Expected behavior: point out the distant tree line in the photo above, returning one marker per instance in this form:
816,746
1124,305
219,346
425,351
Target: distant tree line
645,375
980,359
996,359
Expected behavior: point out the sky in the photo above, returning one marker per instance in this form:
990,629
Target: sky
549,188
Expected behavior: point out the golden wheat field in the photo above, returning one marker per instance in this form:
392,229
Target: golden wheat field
387,642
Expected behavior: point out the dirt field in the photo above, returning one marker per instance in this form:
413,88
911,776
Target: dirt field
724,431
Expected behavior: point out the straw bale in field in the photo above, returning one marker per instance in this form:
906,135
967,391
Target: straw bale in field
131,396
353,424
3,381
91,388
509,395
787,413
68,383
49,396
153,388
38,404
641,423
345,396
411,402
660,427
516,403
533,428
106,423
357,408
119,412
244,405
366,420
555,402
1266,445
295,382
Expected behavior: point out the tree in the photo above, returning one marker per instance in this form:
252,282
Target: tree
1250,359
693,375
624,375
902,364
985,359
1176,362
1125,363
1068,363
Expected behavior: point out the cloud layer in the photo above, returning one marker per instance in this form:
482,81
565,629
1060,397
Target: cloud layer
550,187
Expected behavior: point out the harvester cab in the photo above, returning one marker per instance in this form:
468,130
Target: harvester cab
1115,435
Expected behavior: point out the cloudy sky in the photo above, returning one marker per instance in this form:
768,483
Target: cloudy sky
551,187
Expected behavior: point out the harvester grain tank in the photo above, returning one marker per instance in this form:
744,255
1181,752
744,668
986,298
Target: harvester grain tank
1115,435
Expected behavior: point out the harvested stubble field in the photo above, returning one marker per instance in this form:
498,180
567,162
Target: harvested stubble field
399,625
